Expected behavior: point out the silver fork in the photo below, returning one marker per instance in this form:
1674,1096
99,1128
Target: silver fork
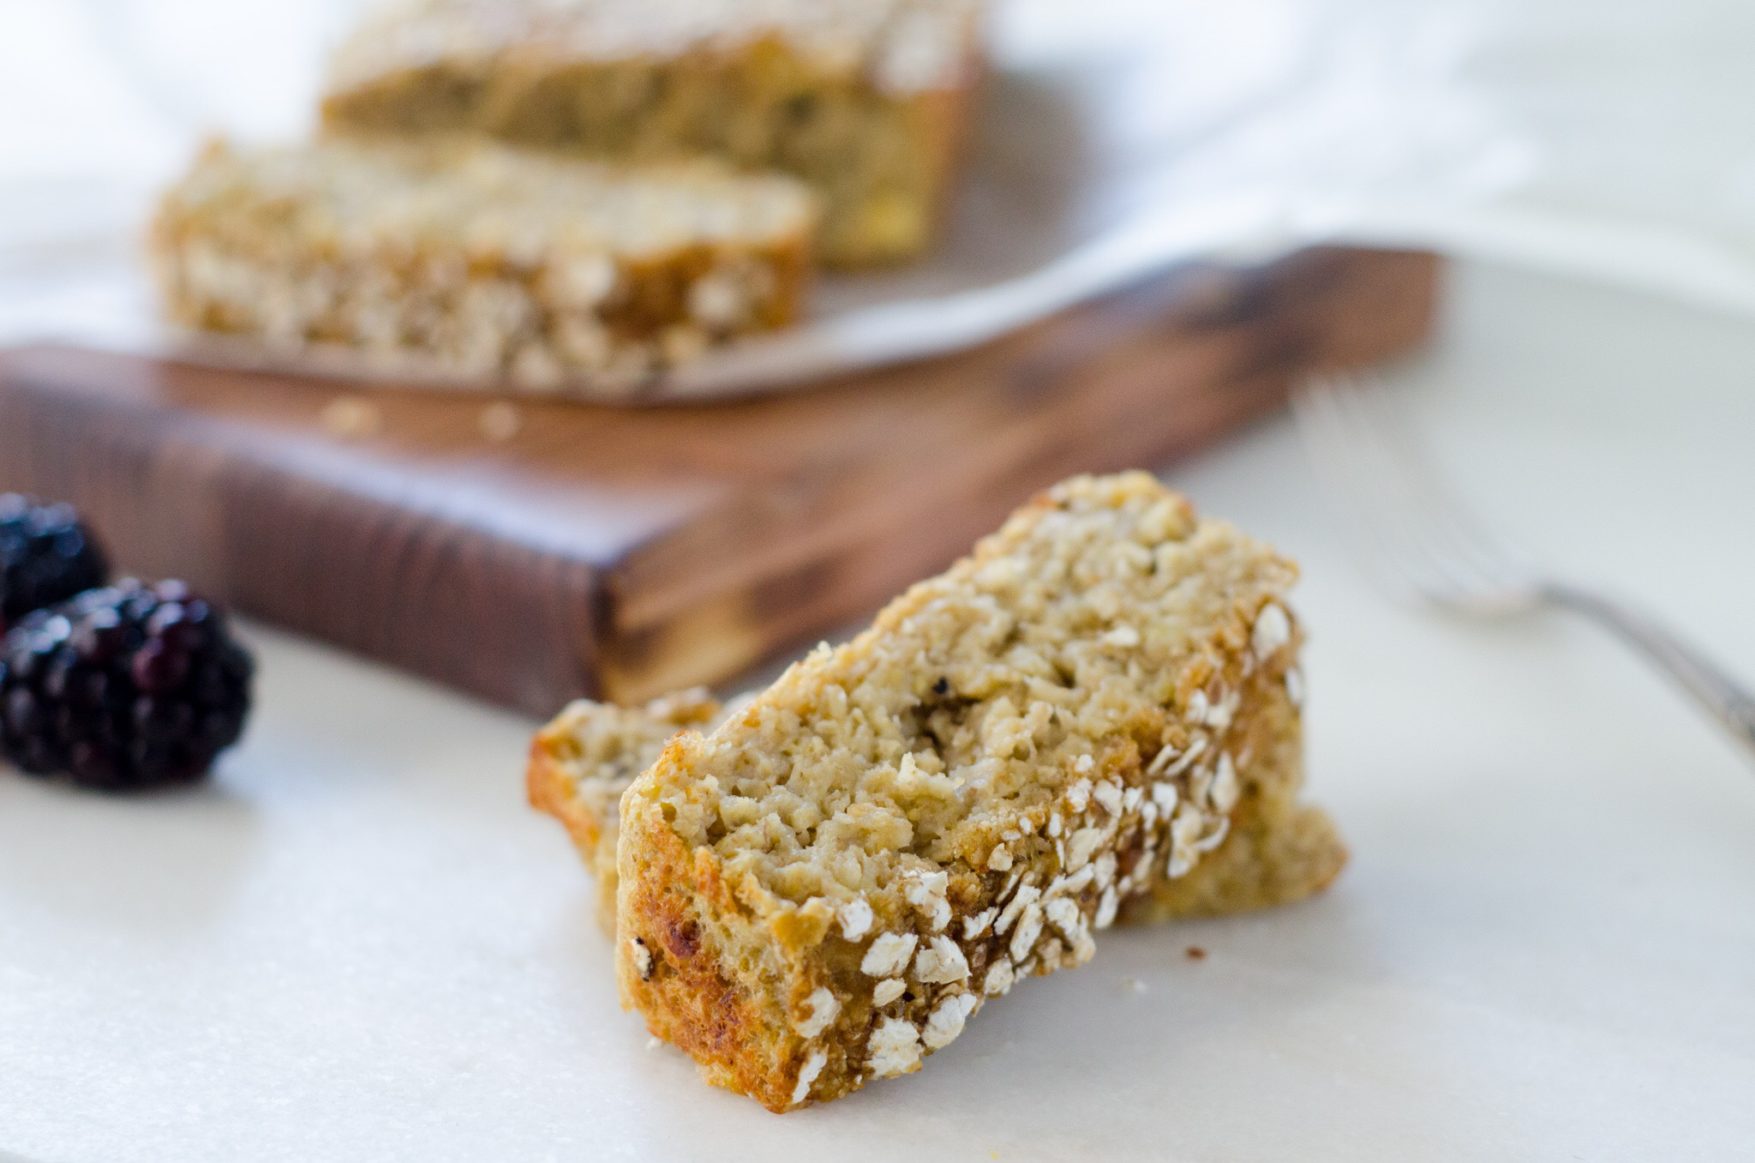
1422,544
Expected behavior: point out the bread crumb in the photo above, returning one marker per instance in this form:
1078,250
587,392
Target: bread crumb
352,418
1196,953
500,422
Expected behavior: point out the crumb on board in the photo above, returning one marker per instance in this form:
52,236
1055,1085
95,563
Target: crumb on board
500,422
351,418
1196,953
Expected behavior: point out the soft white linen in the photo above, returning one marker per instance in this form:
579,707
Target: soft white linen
1118,136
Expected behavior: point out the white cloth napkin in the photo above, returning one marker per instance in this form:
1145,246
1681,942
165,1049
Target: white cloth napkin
1117,137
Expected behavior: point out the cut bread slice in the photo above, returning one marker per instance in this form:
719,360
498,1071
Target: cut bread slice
825,887
585,758
481,260
866,100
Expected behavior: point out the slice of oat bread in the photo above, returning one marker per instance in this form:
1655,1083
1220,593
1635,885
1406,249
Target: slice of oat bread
823,889
486,261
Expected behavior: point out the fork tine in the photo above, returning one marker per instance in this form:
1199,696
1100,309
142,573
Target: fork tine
1381,412
1408,521
1344,467
1431,522
1356,449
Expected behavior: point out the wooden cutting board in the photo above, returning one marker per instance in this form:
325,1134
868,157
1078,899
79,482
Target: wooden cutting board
622,553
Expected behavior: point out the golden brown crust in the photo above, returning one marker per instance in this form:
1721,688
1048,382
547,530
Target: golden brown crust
551,788
583,759
738,1037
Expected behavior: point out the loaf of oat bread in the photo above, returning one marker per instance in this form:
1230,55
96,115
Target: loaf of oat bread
1277,850
555,273
827,886
863,99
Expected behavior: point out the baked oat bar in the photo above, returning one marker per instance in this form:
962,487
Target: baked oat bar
863,99
826,887
1277,850
492,262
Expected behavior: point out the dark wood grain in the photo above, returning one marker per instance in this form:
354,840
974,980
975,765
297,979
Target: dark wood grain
624,552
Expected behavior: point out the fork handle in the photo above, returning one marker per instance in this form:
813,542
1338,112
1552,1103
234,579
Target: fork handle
1710,685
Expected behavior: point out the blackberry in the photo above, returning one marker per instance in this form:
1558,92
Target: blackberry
46,556
126,687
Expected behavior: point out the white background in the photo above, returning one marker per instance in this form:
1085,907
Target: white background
358,943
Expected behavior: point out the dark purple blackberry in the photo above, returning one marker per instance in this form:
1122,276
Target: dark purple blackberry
130,686
46,556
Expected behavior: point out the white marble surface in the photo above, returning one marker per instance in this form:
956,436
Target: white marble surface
359,944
